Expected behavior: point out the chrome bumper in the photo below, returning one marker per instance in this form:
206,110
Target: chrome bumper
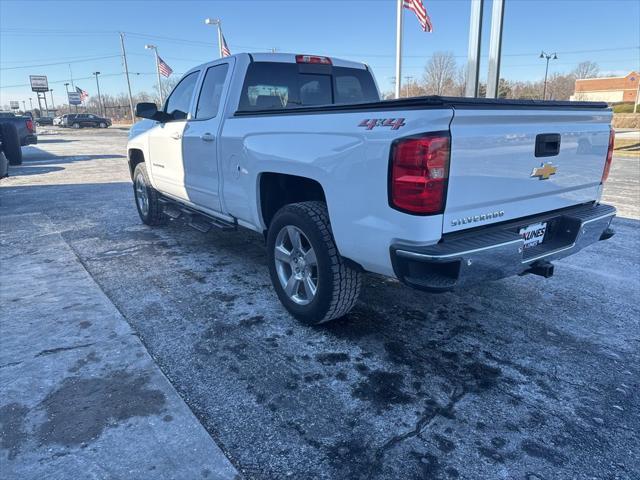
497,252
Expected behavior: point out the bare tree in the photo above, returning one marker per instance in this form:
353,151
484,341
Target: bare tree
440,73
586,69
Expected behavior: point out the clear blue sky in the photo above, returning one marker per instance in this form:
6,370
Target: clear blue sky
34,33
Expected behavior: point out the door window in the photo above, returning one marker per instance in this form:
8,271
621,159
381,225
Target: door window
180,99
211,92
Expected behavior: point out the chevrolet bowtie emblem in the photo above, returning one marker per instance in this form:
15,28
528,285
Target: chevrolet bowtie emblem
544,171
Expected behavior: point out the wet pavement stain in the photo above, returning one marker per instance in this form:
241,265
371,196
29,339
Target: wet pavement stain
80,409
12,433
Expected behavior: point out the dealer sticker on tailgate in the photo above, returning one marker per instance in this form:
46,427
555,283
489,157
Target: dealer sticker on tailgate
533,234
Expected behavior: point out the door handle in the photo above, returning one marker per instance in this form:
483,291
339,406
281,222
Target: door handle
176,136
207,137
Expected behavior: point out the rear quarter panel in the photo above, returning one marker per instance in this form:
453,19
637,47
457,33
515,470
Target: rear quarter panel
350,163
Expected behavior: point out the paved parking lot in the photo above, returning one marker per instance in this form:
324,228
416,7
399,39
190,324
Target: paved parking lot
523,378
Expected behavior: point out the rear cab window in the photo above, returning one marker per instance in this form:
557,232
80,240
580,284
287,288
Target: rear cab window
273,85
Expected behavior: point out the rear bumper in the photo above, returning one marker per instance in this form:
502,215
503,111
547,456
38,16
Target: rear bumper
30,139
497,252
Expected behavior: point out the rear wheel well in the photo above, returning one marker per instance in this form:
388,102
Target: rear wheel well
135,157
279,189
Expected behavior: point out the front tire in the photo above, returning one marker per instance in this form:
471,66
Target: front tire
102,125
311,279
76,125
147,198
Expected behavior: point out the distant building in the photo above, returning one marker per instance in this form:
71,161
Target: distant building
608,89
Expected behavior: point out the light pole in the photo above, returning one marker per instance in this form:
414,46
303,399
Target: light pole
218,23
30,103
53,106
24,106
99,96
155,49
547,56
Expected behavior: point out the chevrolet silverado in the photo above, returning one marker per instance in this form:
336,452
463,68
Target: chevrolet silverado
437,192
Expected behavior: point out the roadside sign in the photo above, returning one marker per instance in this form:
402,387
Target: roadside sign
14,105
74,98
39,83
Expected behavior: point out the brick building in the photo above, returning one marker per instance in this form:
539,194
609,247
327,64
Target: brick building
608,89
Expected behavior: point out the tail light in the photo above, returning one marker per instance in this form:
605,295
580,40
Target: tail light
607,163
419,173
30,125
313,59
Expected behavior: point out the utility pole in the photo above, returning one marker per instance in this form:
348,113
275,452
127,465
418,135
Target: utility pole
495,48
473,54
407,81
53,107
126,72
399,8
547,56
155,49
635,105
24,106
99,96
30,104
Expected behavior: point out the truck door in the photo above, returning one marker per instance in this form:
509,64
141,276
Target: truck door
200,140
165,140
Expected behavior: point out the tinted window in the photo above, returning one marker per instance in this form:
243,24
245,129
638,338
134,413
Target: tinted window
271,85
315,89
180,98
211,92
354,86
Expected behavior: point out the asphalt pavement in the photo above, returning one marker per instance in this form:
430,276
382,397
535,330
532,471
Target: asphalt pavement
523,378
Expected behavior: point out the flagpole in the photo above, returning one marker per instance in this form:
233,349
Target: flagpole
398,47
220,38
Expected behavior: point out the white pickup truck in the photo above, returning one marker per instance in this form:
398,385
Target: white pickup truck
436,192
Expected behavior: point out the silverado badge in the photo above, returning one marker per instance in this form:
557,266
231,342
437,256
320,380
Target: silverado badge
544,171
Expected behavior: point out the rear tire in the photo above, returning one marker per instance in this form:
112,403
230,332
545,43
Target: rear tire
146,198
11,143
311,279
102,125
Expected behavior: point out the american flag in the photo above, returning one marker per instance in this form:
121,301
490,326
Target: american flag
163,68
417,7
225,48
82,93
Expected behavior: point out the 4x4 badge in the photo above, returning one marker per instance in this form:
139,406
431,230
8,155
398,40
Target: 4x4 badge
394,123
544,171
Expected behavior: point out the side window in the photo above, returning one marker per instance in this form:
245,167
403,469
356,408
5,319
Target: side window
211,91
180,99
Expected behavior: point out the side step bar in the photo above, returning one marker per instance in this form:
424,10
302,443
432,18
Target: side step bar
195,219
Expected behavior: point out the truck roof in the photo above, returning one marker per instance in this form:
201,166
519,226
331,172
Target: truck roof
289,58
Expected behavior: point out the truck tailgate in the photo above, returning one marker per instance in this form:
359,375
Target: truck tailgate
496,174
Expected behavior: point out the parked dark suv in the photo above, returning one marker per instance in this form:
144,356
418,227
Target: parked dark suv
79,120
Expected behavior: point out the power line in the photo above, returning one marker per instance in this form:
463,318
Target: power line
60,63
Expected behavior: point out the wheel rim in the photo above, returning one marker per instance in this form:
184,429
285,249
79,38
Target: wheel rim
142,198
296,265
103,125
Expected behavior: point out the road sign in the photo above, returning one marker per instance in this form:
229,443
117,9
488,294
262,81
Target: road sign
39,83
74,98
14,105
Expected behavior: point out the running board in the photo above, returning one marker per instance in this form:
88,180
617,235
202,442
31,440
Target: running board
195,219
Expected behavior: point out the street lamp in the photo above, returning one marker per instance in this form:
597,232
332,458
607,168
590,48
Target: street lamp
155,49
30,103
547,56
99,96
218,23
